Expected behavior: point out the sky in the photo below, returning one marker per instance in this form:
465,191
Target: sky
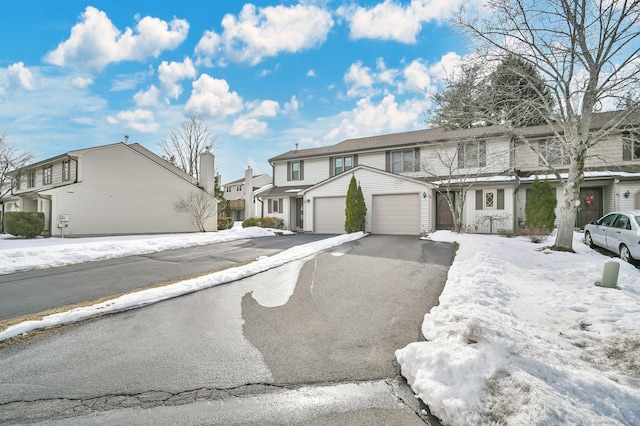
521,335
264,76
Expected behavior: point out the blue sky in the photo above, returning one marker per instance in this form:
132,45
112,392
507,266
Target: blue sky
263,75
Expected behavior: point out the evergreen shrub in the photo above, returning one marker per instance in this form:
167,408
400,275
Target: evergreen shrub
24,224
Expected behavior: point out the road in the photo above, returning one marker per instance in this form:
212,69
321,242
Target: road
310,342
37,291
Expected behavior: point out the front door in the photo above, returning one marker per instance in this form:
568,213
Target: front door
444,217
299,213
590,208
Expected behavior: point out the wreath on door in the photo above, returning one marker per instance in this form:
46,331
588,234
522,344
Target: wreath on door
589,200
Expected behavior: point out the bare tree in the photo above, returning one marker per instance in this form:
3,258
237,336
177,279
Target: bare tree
200,205
587,53
182,145
11,158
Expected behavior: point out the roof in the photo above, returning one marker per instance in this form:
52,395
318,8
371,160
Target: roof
234,182
439,134
284,191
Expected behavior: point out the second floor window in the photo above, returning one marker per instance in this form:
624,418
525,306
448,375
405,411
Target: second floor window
238,188
31,179
295,170
631,147
403,161
66,170
342,164
553,152
472,154
47,175
18,181
227,189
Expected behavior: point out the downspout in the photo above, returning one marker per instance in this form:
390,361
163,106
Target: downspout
2,219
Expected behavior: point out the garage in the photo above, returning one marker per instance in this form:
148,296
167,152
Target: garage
328,215
397,214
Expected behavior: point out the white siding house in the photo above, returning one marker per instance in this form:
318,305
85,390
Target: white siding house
107,190
488,165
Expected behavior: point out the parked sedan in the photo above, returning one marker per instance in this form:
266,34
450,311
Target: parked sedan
618,232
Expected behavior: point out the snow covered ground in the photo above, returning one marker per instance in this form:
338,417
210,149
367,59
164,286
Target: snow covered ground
522,336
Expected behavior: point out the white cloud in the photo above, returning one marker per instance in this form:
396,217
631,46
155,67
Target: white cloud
447,65
266,108
82,82
417,76
292,106
257,33
170,73
390,20
311,73
148,98
140,120
359,80
369,118
248,128
211,96
207,48
95,42
21,76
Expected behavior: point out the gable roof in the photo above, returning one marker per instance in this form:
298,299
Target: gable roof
234,182
439,134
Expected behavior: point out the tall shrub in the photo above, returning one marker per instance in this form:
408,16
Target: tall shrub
24,224
355,209
540,206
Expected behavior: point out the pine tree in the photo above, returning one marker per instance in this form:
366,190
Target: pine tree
355,210
540,206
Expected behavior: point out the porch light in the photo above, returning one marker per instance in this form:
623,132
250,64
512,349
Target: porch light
627,194
424,194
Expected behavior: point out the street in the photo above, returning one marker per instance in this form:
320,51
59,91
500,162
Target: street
326,325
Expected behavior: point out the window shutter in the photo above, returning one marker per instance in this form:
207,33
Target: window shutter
416,159
301,169
270,206
500,199
460,155
288,171
479,200
355,160
387,162
627,153
482,154
280,205
331,168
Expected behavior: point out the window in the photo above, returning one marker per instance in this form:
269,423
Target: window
622,222
472,154
227,189
31,179
66,170
239,187
608,220
18,181
630,147
490,199
275,206
403,161
47,175
295,170
553,152
342,164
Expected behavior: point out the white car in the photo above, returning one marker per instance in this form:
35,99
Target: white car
618,232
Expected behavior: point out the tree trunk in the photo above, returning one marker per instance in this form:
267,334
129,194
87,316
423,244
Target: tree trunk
570,204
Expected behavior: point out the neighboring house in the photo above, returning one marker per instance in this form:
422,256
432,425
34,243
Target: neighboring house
401,176
241,202
108,190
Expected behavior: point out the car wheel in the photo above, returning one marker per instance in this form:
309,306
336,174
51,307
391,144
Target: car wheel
588,240
625,254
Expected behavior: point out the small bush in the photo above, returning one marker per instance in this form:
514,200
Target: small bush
24,224
225,223
536,235
264,222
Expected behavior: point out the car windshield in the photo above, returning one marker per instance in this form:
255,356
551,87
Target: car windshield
637,218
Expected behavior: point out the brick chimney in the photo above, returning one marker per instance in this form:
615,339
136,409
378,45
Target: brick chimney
207,171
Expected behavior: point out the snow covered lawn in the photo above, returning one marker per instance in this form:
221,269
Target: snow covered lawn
522,336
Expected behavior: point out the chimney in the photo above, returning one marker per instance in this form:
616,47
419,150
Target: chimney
207,171
126,139
296,146
248,193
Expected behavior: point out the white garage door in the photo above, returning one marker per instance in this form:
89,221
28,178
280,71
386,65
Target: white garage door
396,214
328,215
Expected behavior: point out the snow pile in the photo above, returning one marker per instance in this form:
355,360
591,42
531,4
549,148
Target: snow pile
154,295
23,255
523,336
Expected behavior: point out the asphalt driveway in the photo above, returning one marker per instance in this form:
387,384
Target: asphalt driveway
325,326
